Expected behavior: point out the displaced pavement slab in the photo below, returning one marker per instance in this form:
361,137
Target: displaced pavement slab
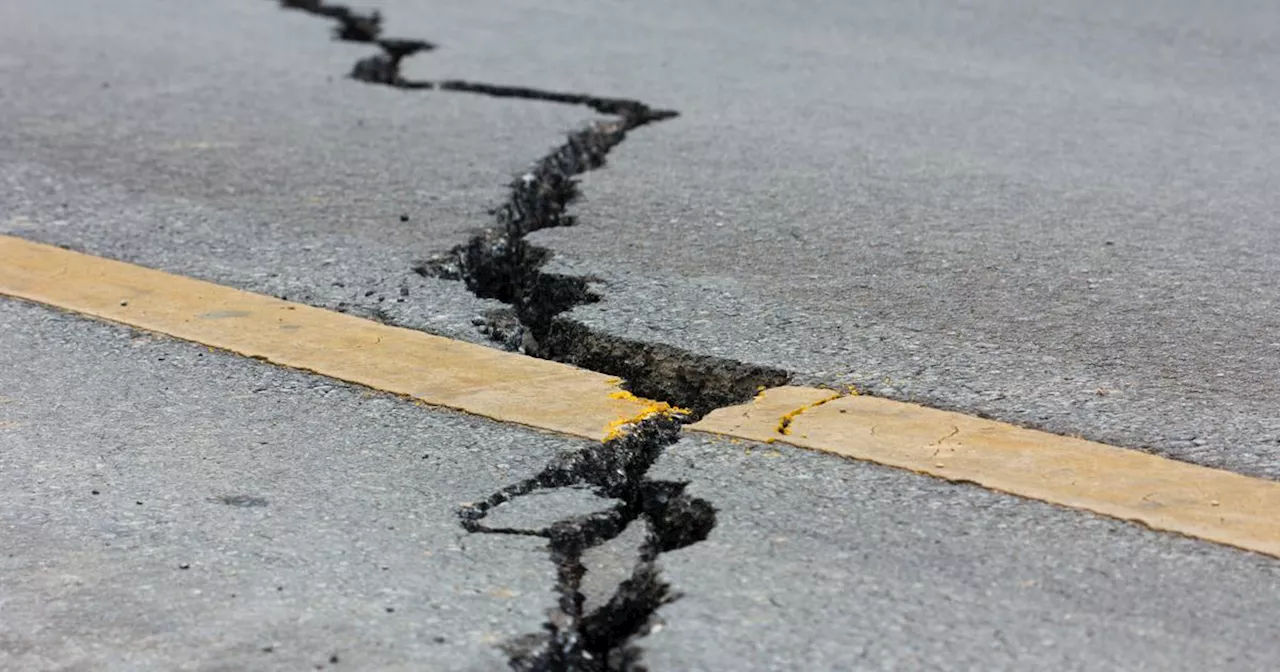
818,563
167,507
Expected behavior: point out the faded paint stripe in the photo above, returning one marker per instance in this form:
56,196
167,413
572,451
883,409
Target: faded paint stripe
1164,494
439,371
1160,493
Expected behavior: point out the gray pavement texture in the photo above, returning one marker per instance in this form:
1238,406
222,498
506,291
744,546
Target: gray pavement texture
168,507
1058,216
856,566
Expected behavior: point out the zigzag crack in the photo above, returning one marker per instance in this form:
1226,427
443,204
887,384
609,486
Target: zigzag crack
501,264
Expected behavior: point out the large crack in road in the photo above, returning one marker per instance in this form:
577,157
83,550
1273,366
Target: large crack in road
502,264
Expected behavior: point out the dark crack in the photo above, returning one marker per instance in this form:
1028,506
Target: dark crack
604,639
502,264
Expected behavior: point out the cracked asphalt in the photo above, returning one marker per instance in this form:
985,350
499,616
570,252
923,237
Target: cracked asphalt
1057,217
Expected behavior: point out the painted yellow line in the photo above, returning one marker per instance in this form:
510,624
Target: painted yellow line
1163,494
439,371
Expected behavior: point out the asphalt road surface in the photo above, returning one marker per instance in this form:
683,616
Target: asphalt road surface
1059,217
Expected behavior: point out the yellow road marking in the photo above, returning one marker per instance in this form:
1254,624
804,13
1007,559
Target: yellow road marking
439,371
1163,494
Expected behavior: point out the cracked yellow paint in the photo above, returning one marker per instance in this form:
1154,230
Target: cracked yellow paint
760,419
1163,494
784,423
435,370
619,427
